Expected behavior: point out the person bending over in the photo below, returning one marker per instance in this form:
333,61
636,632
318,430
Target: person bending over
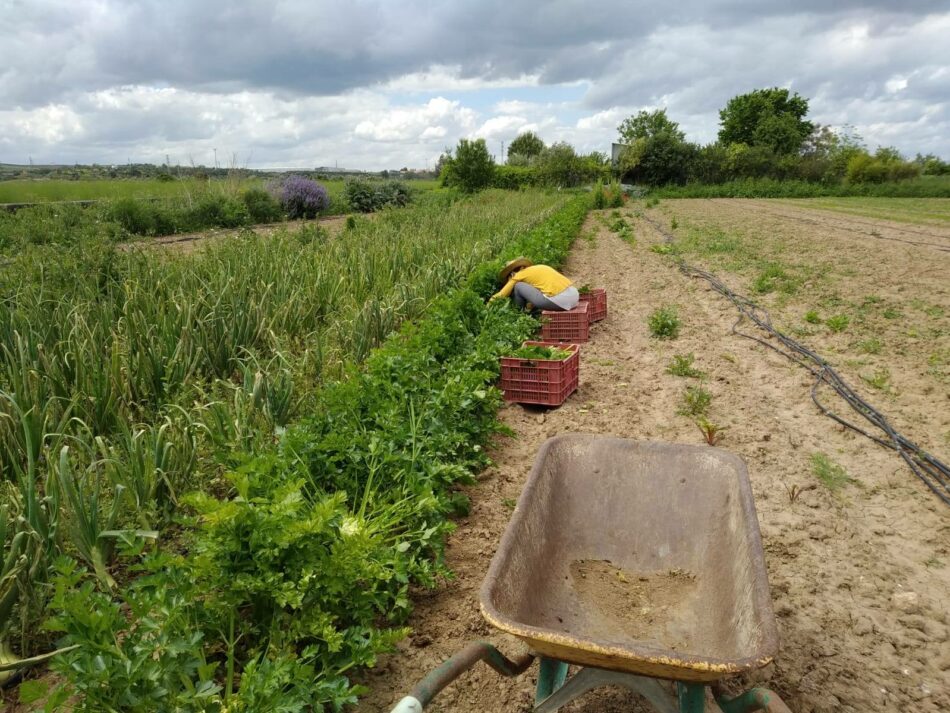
539,286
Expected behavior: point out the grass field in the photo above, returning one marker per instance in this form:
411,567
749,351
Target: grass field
904,210
39,191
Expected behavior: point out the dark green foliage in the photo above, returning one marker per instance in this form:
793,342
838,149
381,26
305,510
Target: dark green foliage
664,323
368,196
772,118
472,167
261,206
559,165
140,217
528,144
214,211
646,124
299,569
658,159
514,177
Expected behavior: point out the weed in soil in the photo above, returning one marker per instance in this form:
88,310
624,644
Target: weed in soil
829,473
682,365
696,401
712,432
838,323
665,323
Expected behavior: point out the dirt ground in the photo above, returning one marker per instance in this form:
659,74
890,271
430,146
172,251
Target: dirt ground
859,575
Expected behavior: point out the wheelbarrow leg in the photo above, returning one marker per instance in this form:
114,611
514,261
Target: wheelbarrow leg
587,679
550,678
692,697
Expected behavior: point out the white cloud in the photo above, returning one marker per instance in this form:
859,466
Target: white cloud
98,80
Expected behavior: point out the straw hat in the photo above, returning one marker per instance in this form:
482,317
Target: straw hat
511,267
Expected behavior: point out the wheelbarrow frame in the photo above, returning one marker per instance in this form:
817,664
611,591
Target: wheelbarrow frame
671,681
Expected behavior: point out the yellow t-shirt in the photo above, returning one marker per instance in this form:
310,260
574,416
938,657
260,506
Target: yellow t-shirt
544,278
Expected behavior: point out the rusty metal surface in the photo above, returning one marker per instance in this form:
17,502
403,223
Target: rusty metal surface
675,524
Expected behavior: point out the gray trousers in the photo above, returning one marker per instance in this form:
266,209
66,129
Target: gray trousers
524,293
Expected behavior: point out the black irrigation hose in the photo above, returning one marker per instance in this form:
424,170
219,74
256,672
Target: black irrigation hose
934,473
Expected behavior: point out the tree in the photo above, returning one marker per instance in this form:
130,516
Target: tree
527,144
646,124
766,117
472,167
658,160
559,165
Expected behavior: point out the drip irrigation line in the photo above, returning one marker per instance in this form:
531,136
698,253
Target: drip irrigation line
876,236
934,474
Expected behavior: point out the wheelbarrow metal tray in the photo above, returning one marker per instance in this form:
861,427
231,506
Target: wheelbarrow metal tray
638,557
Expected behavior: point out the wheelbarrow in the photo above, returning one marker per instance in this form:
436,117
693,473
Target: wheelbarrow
641,565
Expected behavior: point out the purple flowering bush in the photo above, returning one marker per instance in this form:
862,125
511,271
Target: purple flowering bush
302,198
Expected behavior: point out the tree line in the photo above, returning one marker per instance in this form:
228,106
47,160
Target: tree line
763,134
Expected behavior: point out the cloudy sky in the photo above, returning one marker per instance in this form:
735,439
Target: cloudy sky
386,84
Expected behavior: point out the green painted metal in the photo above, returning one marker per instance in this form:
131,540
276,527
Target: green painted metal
692,697
551,677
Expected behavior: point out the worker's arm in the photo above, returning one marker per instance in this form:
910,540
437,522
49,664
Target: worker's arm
504,291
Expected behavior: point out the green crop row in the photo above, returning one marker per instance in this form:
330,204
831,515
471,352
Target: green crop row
129,378
294,568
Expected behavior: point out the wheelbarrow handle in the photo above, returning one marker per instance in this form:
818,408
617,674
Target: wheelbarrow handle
427,689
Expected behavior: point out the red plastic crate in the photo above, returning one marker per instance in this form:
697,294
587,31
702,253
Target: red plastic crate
541,381
571,326
596,301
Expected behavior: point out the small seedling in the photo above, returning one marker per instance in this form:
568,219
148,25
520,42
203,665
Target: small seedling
812,317
673,224
773,277
711,431
663,249
831,475
892,313
509,502
794,491
879,380
870,346
350,222
665,323
682,365
696,401
838,323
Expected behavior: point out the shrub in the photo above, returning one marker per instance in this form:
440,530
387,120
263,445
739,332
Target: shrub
368,196
216,211
665,323
140,217
513,178
472,167
302,198
261,206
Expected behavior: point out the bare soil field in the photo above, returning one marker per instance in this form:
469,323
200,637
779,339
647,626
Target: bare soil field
859,563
